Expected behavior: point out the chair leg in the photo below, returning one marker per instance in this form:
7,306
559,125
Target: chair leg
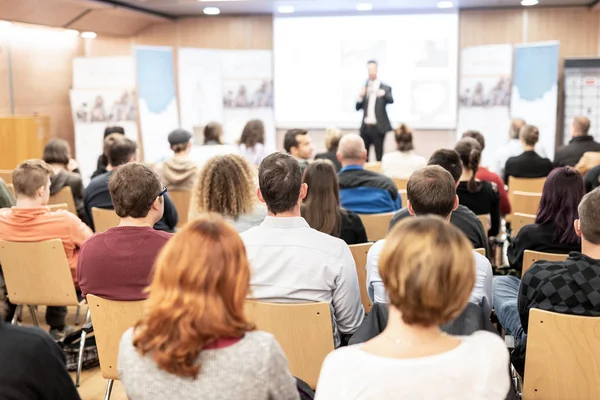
81,348
33,315
77,311
16,315
109,386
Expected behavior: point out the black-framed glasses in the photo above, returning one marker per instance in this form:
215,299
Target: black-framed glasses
161,194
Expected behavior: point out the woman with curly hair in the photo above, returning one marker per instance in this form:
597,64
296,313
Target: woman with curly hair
194,340
226,186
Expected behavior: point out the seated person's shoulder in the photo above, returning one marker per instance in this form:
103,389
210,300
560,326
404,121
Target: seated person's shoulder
35,341
493,344
162,235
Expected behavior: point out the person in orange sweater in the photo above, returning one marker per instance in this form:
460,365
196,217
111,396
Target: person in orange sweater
32,221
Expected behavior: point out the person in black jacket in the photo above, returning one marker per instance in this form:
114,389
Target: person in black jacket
592,179
529,164
103,159
579,144
321,206
332,140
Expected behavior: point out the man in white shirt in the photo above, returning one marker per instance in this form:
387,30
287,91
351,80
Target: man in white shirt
514,147
293,263
432,190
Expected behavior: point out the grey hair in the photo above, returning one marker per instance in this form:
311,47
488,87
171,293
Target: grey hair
351,147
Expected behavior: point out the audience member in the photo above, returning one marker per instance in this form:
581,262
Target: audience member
412,358
481,197
57,154
297,143
463,218
293,263
484,174
589,160
226,186
179,172
31,221
592,179
528,164
363,191
553,231
432,190
121,151
6,197
332,141
117,264
404,161
569,287
213,145
252,142
321,207
580,143
103,159
513,147
195,341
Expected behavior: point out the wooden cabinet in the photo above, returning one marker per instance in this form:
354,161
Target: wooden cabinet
22,137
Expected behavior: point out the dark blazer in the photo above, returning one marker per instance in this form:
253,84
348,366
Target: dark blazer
527,165
571,153
353,231
592,179
383,121
73,180
486,201
331,156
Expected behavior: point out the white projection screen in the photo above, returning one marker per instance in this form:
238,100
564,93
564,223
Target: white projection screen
320,67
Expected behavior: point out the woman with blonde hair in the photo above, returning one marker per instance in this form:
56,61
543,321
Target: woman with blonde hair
404,161
428,270
195,341
332,140
226,186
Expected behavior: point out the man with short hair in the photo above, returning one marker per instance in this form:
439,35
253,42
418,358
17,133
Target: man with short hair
121,151
179,172
513,147
297,143
363,191
463,218
580,143
432,190
293,263
32,221
528,164
117,264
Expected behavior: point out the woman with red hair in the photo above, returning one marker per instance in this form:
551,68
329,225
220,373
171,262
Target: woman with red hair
195,341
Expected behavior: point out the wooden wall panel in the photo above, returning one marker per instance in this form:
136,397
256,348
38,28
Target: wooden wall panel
104,46
478,27
4,77
163,34
250,32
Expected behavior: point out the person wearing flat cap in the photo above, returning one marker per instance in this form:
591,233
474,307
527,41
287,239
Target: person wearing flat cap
179,172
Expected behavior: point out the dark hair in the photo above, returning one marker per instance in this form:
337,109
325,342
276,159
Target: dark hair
113,129
561,195
109,130
289,139
279,179
212,132
470,155
404,138
372,62
321,207
254,132
449,160
57,151
477,136
431,190
133,188
121,151
529,134
589,217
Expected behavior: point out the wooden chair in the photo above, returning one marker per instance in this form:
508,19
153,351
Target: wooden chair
373,166
563,357
104,219
531,185
530,256
525,202
519,220
304,332
181,200
6,175
64,195
400,183
403,197
485,221
359,252
376,225
111,319
56,207
480,251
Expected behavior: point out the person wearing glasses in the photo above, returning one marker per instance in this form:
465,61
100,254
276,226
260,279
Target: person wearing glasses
117,264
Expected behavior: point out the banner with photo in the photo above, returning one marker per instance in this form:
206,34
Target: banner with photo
535,90
484,95
157,100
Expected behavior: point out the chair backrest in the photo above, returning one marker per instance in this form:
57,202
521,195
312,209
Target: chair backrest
37,273
6,175
480,251
60,206
485,221
64,195
181,200
373,166
403,197
304,332
525,202
532,185
110,320
359,252
530,256
104,219
519,220
563,357
376,225
400,183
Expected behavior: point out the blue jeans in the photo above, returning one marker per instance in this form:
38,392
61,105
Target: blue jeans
506,292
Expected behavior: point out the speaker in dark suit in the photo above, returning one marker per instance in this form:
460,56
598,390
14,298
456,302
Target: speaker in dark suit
373,99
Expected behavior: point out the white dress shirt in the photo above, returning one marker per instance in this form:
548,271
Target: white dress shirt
480,295
398,164
372,89
512,149
293,263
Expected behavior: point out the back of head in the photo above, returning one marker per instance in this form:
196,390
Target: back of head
404,138
529,134
477,136
469,152
562,193
30,176
589,217
280,179
289,140
253,133
179,140
225,186
332,138
121,151
109,130
428,269
515,127
449,160
213,132
133,188
57,151
201,280
581,126
431,190
321,207
352,149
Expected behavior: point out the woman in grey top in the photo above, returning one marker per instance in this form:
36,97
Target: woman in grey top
194,341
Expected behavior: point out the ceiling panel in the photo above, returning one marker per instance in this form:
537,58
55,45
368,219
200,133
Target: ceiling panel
117,21
46,12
